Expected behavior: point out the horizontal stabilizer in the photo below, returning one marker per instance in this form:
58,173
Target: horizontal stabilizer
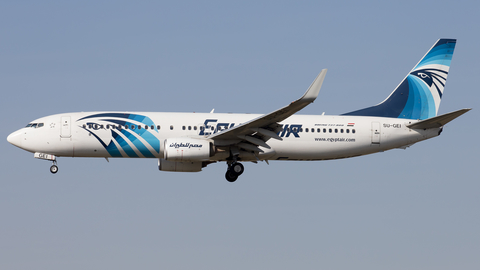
438,121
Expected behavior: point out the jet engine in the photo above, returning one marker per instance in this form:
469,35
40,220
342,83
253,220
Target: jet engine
188,149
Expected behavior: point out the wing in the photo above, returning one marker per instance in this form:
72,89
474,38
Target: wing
258,131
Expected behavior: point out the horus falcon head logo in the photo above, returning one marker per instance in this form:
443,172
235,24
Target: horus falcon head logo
432,77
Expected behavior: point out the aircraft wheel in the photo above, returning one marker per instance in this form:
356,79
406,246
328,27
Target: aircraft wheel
237,168
231,177
54,169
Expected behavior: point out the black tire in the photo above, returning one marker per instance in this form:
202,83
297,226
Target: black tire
237,168
230,176
54,169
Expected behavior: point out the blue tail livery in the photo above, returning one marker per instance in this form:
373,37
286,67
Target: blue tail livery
418,96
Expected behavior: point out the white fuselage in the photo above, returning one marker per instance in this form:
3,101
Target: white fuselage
305,137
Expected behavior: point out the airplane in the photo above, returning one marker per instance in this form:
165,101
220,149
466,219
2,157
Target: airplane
188,142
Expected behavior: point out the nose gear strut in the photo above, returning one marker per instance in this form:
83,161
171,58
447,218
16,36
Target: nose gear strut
53,158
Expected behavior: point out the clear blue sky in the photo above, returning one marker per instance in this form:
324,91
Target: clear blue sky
402,209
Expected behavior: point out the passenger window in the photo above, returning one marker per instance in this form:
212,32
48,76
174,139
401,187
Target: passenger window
183,127
84,126
324,130
341,130
353,130
171,127
146,127
189,127
119,127
318,130
336,130
139,127
126,126
306,130
194,127
158,127
152,127
133,126
348,130
330,130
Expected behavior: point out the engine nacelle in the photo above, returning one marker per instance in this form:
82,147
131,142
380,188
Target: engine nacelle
187,149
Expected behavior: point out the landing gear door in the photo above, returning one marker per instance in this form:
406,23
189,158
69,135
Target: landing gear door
65,127
375,133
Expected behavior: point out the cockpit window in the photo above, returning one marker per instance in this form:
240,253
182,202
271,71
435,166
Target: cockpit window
34,125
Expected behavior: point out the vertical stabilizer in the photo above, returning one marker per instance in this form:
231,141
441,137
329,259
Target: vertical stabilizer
418,96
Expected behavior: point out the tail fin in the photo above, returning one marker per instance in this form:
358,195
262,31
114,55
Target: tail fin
418,96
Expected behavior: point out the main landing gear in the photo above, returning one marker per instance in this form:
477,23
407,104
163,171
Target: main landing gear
234,170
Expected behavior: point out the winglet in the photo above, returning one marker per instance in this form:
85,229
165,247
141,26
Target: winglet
314,88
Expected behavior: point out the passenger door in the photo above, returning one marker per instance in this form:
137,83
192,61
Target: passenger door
65,127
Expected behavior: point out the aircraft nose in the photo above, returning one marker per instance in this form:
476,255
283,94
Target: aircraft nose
15,138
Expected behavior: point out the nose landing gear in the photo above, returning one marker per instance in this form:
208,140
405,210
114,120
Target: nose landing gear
54,167
234,170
